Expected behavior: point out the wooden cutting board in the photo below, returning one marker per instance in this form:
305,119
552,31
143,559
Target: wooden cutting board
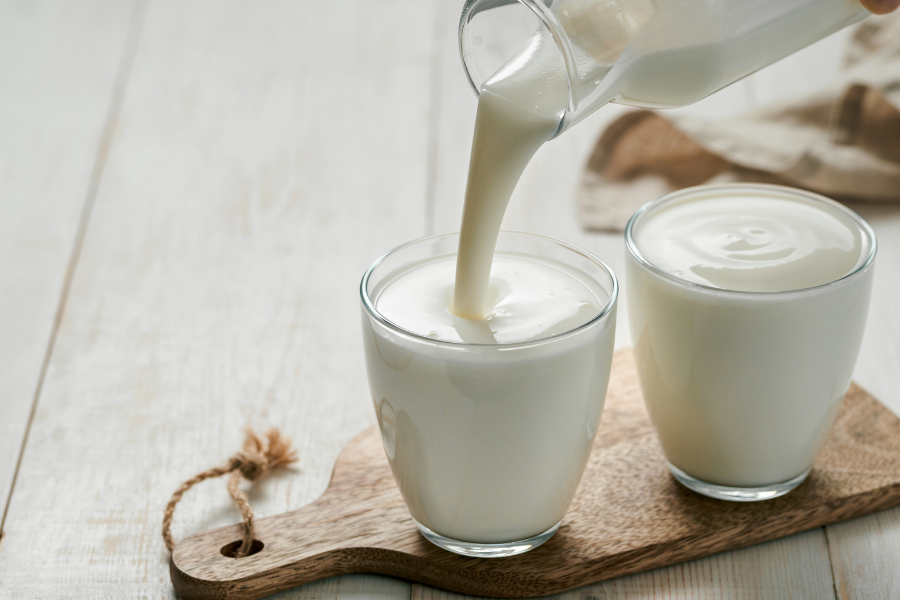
628,515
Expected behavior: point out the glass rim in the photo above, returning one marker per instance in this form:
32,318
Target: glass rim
781,189
375,314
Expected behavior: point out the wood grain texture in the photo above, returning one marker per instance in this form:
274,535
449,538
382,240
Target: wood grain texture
349,587
628,515
265,154
58,69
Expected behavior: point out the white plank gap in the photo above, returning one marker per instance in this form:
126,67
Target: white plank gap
61,66
865,554
435,106
265,154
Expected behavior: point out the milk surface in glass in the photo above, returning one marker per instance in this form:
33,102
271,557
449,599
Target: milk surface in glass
747,307
488,423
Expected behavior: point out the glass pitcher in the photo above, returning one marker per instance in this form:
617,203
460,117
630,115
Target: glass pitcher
650,53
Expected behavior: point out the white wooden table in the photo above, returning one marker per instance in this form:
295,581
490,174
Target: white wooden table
190,191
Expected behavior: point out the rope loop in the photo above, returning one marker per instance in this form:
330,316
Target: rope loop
258,456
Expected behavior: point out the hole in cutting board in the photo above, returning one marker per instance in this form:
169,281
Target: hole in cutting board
229,549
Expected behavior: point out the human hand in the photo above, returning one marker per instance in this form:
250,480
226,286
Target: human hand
880,7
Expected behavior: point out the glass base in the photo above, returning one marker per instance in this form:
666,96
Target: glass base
486,550
736,494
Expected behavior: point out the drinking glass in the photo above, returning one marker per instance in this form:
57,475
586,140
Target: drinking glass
488,442
743,387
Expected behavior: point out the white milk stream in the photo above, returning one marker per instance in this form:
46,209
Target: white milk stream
661,53
519,109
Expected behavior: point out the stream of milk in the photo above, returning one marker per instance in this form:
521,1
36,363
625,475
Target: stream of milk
519,108
663,53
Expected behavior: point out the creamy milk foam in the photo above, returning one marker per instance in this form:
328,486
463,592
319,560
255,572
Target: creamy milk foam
743,388
748,242
528,299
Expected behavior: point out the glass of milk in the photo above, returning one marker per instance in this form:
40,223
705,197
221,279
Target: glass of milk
747,305
488,424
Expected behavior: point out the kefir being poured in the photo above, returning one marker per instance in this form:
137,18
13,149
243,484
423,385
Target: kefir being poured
659,53
503,299
519,109
633,51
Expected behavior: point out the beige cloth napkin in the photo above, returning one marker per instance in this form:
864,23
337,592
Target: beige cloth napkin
843,142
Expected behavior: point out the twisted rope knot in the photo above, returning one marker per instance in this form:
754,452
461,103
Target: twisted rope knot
257,457
252,465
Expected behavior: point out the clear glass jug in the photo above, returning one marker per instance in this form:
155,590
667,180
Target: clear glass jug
650,53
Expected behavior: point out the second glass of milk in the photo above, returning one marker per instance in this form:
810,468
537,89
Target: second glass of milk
488,438
747,305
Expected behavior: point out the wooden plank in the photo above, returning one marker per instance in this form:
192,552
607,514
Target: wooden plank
265,154
58,66
865,552
628,516
349,587
544,202
544,198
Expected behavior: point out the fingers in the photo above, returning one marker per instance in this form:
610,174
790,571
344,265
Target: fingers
881,7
